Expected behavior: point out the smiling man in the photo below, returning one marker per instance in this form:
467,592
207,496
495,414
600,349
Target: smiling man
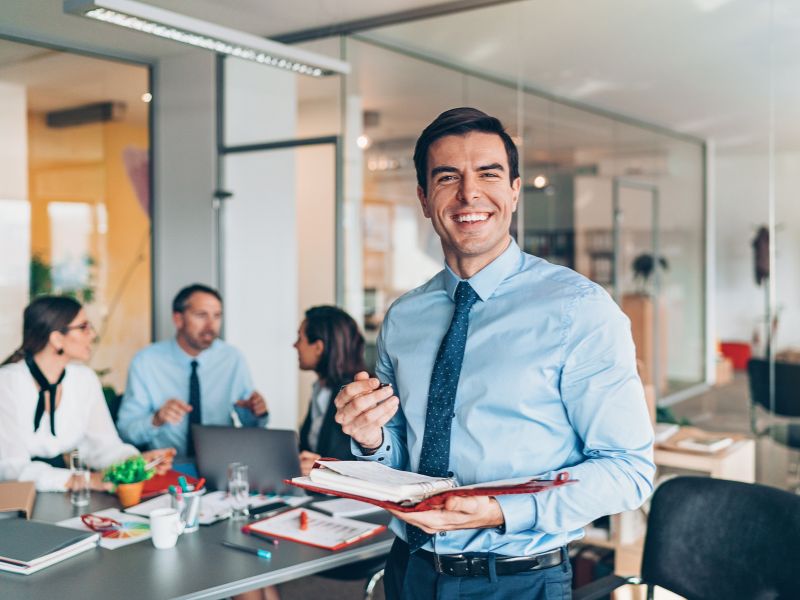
501,366
193,378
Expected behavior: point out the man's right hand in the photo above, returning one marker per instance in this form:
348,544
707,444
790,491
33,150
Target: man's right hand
172,412
363,408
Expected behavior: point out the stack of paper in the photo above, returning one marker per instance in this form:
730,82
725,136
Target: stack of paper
29,546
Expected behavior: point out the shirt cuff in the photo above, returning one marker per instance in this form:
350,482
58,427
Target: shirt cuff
519,511
381,454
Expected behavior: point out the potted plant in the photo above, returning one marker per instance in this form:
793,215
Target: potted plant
128,478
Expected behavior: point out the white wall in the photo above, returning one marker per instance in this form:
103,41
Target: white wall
742,206
260,232
185,164
15,217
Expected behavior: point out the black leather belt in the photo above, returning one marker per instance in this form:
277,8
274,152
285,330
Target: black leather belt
477,565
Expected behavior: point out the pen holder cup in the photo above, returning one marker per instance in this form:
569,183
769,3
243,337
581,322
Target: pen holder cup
189,508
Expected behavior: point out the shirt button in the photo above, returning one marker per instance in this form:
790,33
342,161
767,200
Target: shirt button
449,473
442,533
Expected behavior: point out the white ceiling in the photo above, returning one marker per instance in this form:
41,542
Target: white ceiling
701,67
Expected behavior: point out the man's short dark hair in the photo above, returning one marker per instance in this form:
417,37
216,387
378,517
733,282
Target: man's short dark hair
182,298
460,121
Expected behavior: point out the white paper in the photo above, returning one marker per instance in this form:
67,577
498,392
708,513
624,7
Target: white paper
346,507
322,530
133,528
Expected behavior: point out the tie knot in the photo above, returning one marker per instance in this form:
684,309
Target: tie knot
465,296
194,365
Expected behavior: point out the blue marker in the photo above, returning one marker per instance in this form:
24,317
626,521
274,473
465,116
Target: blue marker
257,551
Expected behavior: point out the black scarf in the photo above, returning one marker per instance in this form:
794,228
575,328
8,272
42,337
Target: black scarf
44,386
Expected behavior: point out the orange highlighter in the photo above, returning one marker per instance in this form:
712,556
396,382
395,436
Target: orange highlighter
303,520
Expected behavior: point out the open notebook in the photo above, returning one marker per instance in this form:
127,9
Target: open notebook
405,491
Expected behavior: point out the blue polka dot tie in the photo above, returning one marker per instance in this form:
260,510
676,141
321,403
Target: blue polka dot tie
435,455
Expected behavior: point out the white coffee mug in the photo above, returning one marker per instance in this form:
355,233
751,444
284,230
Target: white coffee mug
165,526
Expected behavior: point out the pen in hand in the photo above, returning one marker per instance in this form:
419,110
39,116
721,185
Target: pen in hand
257,551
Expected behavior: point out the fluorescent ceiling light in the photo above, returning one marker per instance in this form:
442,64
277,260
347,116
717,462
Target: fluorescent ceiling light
181,28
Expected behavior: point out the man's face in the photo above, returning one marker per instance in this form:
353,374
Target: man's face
199,324
470,197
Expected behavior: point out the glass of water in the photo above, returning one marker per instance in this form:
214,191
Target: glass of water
79,494
239,490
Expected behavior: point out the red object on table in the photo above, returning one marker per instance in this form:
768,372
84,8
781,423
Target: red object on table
159,484
738,352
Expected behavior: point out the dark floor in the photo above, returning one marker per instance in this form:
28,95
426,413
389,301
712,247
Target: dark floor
723,408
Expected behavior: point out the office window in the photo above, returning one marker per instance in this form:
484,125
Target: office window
75,195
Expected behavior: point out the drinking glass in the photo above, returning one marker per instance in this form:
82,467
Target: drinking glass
239,490
79,494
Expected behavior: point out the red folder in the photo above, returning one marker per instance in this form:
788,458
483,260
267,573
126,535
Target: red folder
529,487
159,484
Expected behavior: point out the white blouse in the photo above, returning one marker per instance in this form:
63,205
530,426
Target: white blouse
82,422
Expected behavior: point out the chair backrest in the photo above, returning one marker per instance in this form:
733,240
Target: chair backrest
787,386
717,539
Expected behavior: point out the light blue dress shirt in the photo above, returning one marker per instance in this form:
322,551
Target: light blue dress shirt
161,371
548,384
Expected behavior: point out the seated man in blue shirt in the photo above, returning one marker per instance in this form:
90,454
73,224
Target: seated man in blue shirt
193,378
501,366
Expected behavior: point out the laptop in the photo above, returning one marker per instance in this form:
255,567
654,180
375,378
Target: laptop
271,455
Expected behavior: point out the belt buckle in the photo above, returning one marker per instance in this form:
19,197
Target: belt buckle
474,566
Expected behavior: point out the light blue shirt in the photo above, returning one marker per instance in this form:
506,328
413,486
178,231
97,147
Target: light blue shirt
548,384
162,370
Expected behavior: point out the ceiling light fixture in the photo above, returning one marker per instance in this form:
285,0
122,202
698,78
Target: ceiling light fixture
202,34
363,141
540,182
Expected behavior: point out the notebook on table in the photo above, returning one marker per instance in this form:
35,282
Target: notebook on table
29,546
17,498
315,529
405,491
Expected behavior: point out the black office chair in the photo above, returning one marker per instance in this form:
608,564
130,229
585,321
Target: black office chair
787,398
784,427
713,539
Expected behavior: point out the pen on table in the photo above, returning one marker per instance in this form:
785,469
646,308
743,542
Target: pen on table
257,551
303,520
157,460
261,536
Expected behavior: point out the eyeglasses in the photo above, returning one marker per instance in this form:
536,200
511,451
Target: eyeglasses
101,524
85,326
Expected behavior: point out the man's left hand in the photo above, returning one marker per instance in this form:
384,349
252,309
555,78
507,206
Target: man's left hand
459,512
255,404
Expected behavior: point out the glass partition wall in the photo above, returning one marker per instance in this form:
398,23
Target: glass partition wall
571,160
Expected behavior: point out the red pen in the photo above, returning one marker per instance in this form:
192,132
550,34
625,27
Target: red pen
200,484
303,520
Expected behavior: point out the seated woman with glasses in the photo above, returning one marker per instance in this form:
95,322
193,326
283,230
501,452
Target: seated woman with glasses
49,405
330,344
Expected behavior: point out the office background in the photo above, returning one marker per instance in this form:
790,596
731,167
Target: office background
286,190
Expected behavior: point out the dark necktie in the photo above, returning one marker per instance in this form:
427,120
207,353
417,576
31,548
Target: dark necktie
196,416
45,387
434,457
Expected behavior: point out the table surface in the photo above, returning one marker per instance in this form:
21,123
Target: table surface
197,567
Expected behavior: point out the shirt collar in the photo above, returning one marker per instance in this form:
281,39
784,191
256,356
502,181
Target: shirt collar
184,358
486,281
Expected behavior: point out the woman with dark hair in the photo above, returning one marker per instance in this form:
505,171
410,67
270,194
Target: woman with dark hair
49,405
330,344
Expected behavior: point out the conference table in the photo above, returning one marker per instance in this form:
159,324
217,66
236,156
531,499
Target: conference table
199,566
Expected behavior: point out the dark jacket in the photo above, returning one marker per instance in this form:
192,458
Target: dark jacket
332,442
